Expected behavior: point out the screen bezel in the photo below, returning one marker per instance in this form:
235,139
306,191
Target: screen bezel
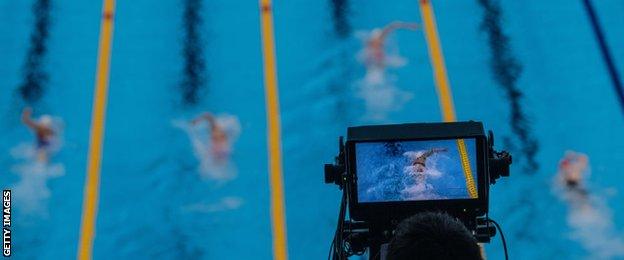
396,209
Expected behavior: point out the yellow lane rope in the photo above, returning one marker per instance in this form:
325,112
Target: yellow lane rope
437,61
472,189
278,216
442,84
92,181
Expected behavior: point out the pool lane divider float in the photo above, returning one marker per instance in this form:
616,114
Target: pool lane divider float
35,77
465,162
443,87
276,182
94,159
437,61
506,71
606,53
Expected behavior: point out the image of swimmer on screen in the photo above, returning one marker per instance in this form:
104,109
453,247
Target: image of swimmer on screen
415,170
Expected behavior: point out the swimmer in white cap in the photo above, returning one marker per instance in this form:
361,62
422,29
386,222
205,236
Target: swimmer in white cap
375,44
573,168
43,132
417,169
220,142
418,163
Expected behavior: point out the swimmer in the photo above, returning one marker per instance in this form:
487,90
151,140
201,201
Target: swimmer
589,217
418,163
417,169
572,167
220,147
375,44
43,132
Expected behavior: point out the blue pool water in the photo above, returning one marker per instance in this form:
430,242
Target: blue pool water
156,203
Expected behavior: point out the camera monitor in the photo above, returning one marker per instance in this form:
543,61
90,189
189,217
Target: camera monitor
416,170
404,169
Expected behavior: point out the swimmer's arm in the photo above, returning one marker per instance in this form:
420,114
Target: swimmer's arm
397,25
411,155
205,116
404,25
432,151
438,150
27,120
211,121
428,153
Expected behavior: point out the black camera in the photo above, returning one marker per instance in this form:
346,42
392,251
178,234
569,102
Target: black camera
390,172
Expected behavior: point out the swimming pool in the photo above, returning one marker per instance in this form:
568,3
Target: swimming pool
153,203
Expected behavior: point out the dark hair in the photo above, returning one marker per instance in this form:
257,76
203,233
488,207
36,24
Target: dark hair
432,236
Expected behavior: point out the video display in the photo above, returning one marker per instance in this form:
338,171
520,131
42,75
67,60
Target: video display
416,170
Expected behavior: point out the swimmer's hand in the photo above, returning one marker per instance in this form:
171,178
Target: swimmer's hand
26,113
26,118
410,26
403,25
207,115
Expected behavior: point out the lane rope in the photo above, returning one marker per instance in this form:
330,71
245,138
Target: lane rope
605,51
443,87
465,162
276,182
442,83
94,160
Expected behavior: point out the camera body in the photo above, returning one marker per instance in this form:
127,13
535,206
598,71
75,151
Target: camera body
390,172
395,210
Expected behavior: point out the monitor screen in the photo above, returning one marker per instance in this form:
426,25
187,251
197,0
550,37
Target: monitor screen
391,171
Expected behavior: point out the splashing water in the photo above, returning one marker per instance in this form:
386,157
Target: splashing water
593,227
378,90
210,167
226,203
31,192
422,190
392,58
395,181
590,220
380,95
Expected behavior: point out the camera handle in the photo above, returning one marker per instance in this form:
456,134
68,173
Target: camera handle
336,172
498,161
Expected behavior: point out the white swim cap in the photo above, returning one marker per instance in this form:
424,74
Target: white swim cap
376,32
45,120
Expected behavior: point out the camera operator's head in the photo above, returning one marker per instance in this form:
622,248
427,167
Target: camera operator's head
432,236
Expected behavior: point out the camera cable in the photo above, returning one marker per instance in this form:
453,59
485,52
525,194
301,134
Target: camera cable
500,230
336,249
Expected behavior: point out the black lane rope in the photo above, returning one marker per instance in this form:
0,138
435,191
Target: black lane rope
506,71
35,77
340,12
606,53
337,85
194,77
